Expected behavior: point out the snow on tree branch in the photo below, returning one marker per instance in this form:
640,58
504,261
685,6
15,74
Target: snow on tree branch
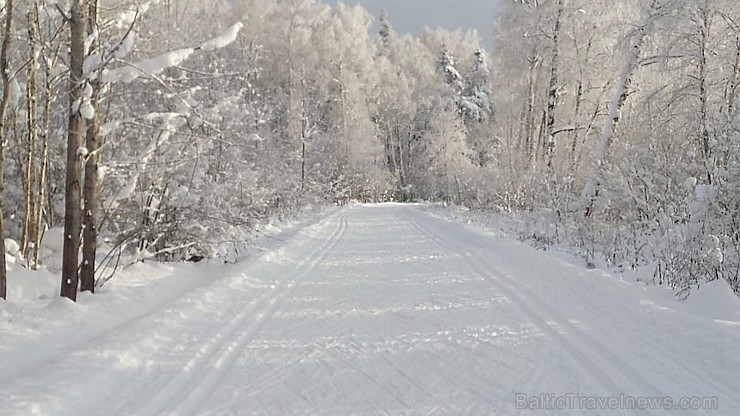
154,66
151,66
223,39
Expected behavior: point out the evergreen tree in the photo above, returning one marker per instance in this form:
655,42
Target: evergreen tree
386,31
446,66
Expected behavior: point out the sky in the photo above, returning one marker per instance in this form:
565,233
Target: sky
412,16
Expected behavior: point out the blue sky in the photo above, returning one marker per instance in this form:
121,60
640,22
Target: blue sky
411,16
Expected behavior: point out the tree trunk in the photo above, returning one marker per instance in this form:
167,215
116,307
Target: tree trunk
72,208
5,75
91,198
734,77
527,138
581,56
29,226
49,91
91,192
401,162
303,163
40,200
704,28
552,92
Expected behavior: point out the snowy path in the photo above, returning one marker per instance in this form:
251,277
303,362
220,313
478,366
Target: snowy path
377,310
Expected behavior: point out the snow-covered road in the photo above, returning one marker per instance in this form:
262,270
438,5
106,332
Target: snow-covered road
376,310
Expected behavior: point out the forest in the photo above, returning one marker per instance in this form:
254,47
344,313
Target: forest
166,129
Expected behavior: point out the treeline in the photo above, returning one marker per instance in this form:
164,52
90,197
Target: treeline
177,125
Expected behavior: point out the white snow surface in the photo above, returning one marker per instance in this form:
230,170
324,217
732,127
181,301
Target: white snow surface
368,310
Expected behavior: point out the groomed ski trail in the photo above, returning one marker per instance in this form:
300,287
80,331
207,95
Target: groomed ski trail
384,310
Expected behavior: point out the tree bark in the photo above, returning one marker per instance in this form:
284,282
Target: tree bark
91,198
73,208
29,226
91,192
5,75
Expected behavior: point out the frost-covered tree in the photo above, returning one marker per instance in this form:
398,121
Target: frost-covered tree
446,66
475,105
197,143
448,157
387,35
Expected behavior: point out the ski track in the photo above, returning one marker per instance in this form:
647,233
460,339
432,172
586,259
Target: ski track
473,262
398,314
665,356
37,366
200,376
96,338
529,302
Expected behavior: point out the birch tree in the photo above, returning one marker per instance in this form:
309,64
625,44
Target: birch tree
30,228
633,44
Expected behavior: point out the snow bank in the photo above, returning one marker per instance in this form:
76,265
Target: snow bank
714,300
11,247
25,284
52,247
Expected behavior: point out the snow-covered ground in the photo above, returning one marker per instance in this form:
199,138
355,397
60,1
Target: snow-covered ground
371,310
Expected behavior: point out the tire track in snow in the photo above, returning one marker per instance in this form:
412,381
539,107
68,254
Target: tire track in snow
188,389
600,374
